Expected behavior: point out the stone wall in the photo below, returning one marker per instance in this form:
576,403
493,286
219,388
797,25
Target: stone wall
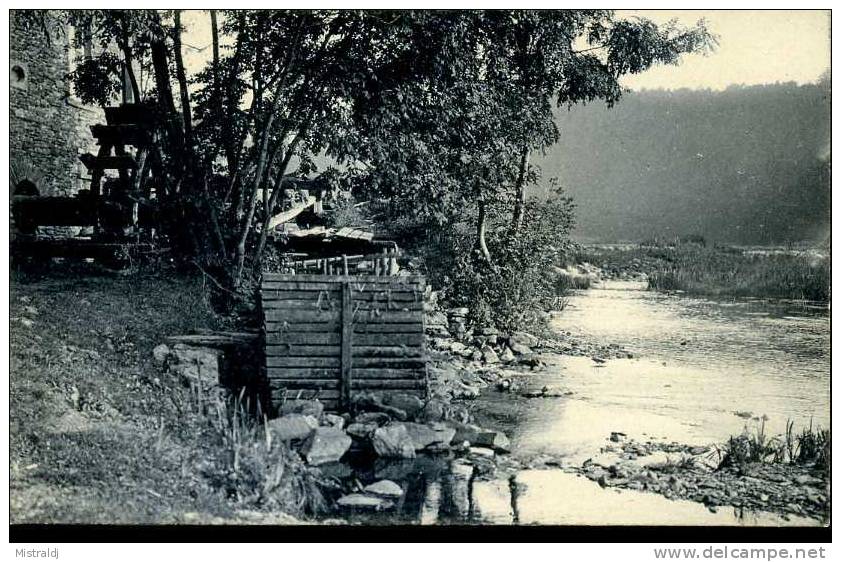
48,128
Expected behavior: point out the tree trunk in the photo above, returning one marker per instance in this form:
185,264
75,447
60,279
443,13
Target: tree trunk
481,228
520,187
182,79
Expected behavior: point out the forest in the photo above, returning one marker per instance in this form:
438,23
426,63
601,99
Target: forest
747,165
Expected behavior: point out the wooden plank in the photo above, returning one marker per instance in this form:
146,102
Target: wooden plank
347,343
335,351
315,362
383,285
328,385
299,327
304,383
360,317
291,294
386,295
376,306
371,384
303,350
323,305
403,279
393,351
334,373
388,362
305,316
276,373
306,338
397,328
386,373
291,393
389,339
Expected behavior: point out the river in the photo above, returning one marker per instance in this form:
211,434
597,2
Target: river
702,370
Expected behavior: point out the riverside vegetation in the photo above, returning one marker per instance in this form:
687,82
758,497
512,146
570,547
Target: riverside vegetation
694,267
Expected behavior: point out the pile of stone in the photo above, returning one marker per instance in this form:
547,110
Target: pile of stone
394,426
679,471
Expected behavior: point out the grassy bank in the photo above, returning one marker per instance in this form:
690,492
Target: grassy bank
719,270
99,434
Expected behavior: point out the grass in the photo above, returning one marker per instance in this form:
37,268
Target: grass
810,447
701,269
99,434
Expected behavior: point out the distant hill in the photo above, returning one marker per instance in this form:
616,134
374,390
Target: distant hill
748,165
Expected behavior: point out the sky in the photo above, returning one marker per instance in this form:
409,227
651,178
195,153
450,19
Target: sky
755,47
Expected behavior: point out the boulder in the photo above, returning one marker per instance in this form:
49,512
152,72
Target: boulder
326,444
436,318
520,349
361,431
394,441
292,427
312,408
160,353
523,338
363,501
457,347
476,355
483,452
195,365
489,355
376,418
495,440
423,435
465,432
384,489
507,355
408,403
333,420
489,332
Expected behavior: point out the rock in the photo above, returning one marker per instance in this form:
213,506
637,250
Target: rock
523,338
377,418
489,355
458,312
384,489
532,361
457,347
507,355
312,408
326,444
195,365
465,432
617,436
361,431
393,440
463,391
483,452
160,353
408,403
423,436
30,310
698,450
495,440
293,427
520,349
476,355
504,385
436,318
333,420
362,501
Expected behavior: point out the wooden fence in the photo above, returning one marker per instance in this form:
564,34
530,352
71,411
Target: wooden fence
328,336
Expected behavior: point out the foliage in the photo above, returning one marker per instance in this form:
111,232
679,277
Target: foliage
517,290
810,447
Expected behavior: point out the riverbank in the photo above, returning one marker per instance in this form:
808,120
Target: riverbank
696,268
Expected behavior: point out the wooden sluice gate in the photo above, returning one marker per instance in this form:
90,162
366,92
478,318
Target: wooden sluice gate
331,337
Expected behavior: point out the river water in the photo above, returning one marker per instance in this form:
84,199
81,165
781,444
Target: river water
702,370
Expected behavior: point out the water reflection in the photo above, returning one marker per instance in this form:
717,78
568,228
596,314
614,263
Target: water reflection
449,491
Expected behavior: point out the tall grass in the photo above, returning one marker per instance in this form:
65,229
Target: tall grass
698,268
809,447
713,271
